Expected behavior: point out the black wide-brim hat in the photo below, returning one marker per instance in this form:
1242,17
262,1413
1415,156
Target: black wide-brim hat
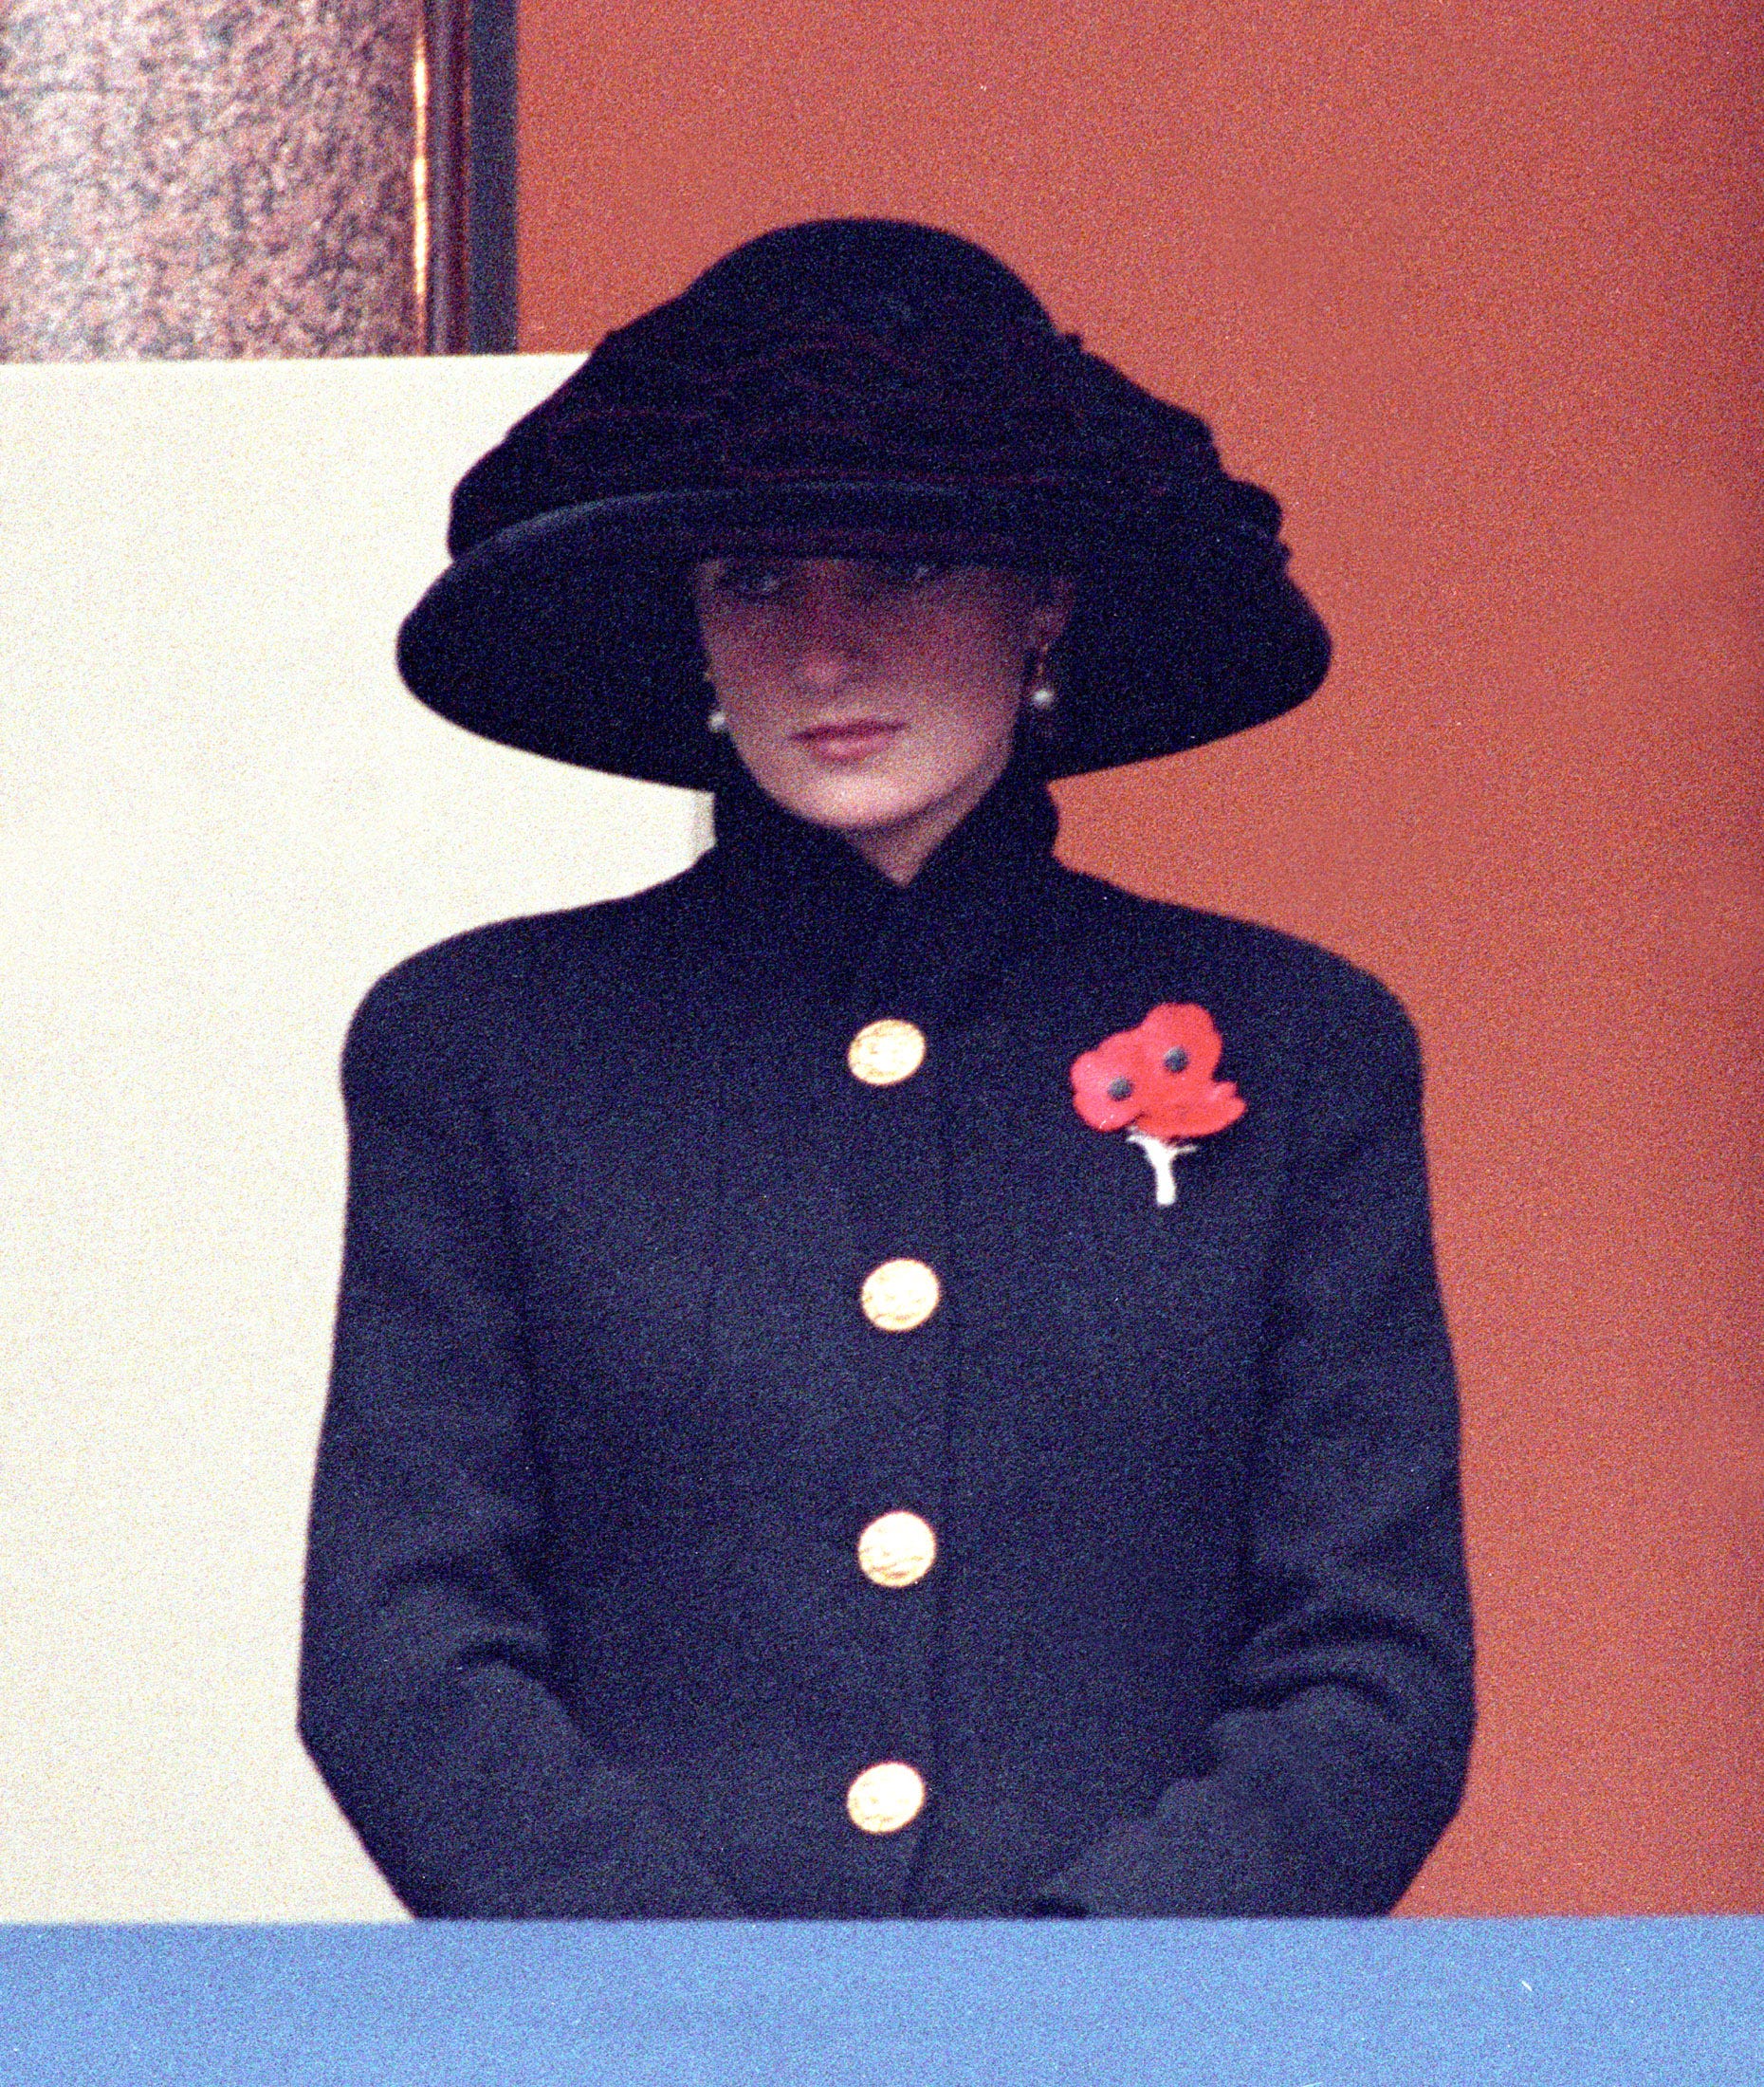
830,390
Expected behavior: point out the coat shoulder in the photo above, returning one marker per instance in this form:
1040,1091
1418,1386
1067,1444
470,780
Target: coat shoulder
477,987
1261,970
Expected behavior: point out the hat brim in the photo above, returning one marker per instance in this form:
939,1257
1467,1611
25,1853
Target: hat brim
573,636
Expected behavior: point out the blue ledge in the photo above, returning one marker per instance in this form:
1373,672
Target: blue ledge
1104,2003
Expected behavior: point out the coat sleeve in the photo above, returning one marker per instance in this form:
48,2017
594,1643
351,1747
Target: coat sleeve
426,1672
1340,1755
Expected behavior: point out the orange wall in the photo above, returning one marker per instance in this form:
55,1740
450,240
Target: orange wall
1469,287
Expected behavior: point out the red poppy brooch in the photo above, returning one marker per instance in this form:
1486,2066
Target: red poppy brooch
1156,1084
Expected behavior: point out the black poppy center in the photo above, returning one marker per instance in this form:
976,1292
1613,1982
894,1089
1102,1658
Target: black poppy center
1120,1087
1176,1059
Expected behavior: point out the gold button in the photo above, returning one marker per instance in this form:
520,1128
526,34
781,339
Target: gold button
886,1798
899,1296
885,1052
896,1549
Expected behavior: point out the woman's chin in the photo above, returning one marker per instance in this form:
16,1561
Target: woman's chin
875,796
850,802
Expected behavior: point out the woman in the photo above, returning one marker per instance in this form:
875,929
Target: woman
839,1408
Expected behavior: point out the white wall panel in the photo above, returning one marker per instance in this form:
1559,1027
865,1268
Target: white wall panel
223,818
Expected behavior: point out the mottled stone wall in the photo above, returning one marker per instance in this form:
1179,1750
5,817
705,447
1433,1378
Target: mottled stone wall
205,177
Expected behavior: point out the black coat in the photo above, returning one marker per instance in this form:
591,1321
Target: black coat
586,1631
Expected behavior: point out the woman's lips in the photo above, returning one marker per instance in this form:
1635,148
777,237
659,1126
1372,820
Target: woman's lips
849,739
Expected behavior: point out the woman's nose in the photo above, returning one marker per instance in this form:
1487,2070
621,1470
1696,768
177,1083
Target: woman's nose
831,632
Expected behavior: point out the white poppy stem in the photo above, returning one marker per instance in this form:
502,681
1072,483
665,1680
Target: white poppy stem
1162,1158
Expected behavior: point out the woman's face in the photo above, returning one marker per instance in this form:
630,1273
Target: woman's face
877,696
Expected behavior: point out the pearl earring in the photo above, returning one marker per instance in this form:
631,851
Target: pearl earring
717,724
1043,697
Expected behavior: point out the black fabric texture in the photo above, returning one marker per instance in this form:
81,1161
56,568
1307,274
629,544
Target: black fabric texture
586,1631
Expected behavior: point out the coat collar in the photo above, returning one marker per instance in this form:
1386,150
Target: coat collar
804,910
